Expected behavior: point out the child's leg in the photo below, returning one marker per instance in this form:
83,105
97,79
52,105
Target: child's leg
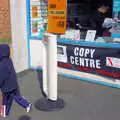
7,99
20,99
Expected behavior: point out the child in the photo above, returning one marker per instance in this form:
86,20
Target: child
8,83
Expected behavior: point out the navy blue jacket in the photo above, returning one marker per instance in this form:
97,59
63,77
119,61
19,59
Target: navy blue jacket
8,78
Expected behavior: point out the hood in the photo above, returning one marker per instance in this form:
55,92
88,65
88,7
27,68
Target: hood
4,51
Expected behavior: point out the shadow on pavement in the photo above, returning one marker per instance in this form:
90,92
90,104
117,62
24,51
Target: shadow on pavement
40,80
24,117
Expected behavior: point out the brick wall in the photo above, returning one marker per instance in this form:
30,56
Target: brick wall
5,29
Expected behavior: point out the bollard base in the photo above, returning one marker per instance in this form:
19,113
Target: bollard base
49,105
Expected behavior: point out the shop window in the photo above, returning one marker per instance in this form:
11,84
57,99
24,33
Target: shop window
83,23
97,18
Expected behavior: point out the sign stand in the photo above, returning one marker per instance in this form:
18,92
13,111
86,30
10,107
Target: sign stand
56,24
51,102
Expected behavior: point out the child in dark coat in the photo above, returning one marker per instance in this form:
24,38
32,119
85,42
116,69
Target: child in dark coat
8,83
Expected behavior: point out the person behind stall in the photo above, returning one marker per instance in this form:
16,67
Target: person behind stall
8,83
96,20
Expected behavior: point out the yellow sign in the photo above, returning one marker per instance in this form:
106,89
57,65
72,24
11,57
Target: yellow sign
57,14
34,11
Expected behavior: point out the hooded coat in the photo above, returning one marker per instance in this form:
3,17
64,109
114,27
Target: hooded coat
8,77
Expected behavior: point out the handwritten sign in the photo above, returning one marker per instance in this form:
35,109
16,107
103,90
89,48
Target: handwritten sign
57,10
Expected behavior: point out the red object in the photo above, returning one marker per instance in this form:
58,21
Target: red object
107,34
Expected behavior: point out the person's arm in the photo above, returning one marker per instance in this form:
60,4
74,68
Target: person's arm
4,71
4,55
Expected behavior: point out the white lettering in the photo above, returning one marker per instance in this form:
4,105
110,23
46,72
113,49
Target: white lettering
81,52
81,60
72,60
76,51
98,64
86,62
92,52
76,61
92,63
87,51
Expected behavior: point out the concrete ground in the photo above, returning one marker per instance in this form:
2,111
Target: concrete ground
84,101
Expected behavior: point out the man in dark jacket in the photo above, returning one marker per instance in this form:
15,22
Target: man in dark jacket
8,83
96,20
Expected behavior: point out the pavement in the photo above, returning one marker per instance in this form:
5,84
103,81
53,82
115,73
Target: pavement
84,101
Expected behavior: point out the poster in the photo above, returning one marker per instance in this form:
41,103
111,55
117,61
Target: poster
5,28
38,18
57,10
96,60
